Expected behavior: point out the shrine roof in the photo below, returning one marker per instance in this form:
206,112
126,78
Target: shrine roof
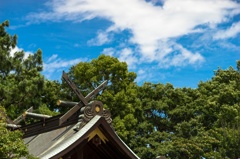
55,143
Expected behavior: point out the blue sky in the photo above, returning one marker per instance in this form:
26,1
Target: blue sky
181,42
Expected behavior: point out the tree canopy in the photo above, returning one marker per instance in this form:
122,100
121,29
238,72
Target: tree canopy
11,143
191,123
120,95
160,120
21,86
154,119
20,80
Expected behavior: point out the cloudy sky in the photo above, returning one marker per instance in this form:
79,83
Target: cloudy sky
176,41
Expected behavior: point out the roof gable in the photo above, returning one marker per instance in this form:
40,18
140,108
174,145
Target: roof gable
69,140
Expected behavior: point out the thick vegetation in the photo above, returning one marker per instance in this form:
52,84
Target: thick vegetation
191,123
153,119
160,120
21,86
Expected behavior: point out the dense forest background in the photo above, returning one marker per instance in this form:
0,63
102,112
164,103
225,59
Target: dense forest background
154,119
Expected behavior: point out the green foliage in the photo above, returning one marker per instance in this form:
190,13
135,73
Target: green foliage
120,96
50,95
11,143
190,123
20,80
44,109
21,86
160,120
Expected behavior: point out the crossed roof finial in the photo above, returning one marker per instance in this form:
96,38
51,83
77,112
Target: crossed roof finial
83,100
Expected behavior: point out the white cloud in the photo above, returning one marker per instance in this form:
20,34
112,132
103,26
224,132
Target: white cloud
53,57
55,64
109,51
128,56
150,73
141,72
102,38
76,45
228,33
17,49
173,54
230,46
185,56
124,55
152,26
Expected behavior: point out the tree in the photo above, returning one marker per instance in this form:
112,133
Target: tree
11,143
164,108
120,95
158,119
220,110
21,83
50,94
21,86
191,123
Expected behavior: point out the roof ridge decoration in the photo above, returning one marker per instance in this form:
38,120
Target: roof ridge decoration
88,111
80,113
83,100
91,110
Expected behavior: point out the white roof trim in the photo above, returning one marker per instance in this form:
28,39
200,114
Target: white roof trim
76,136
127,147
72,139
